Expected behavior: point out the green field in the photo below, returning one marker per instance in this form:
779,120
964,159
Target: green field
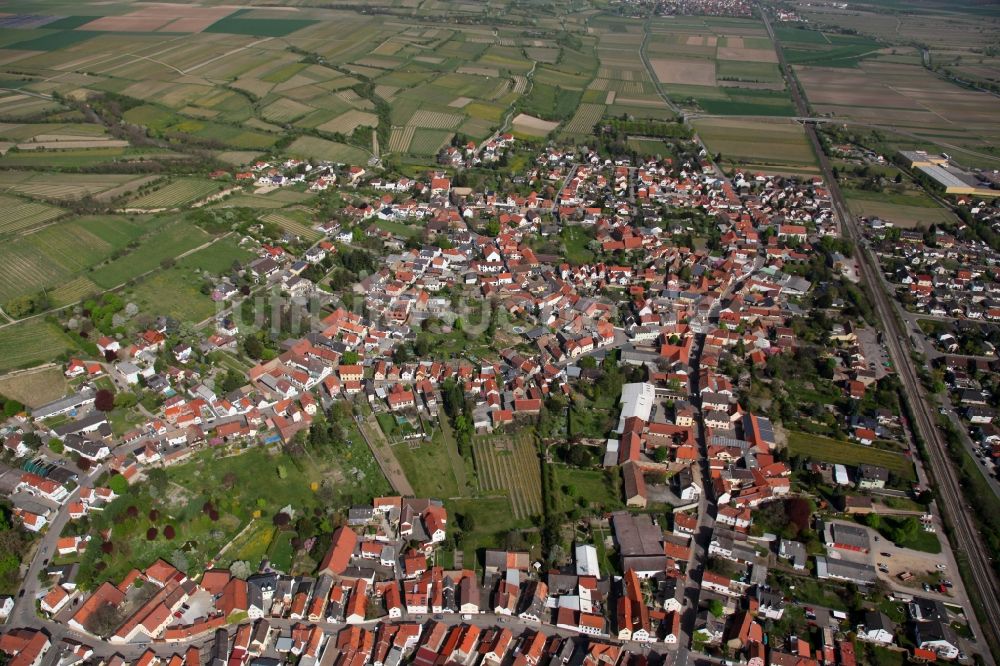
166,242
256,481
54,40
810,47
80,158
52,256
17,214
756,142
428,469
908,209
321,149
174,293
823,449
271,27
551,103
218,257
30,343
175,193
298,222
588,485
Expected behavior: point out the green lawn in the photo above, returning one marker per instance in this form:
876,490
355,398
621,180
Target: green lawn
576,240
167,242
589,484
175,293
823,449
400,229
493,521
428,469
217,258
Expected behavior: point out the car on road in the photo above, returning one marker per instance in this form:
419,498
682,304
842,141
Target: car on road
940,567
886,554
439,617
927,587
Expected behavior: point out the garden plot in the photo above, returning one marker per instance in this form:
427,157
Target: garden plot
509,464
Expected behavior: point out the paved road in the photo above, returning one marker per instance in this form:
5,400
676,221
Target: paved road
965,537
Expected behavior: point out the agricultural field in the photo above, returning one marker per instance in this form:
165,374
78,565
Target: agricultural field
298,222
168,241
17,214
30,343
876,76
173,292
218,257
908,210
68,186
810,47
428,142
824,449
34,387
584,119
530,126
718,66
330,151
174,194
509,464
53,256
761,143
906,99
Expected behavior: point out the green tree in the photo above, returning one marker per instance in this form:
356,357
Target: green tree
118,484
